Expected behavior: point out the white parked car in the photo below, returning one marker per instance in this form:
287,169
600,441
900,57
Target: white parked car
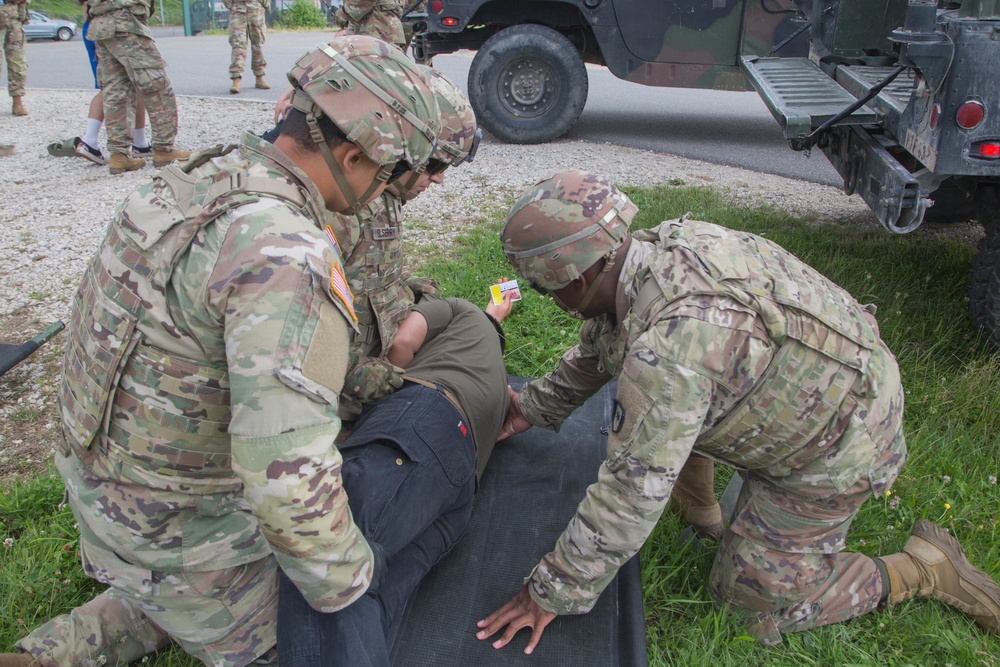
41,26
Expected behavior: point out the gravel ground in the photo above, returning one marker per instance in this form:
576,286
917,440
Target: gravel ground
53,212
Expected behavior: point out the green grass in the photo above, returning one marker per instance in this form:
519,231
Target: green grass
952,418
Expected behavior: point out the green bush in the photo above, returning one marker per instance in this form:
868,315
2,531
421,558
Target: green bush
302,14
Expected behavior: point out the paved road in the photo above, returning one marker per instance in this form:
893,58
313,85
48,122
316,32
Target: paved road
723,127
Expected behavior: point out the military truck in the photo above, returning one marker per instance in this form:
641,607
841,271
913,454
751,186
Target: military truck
902,96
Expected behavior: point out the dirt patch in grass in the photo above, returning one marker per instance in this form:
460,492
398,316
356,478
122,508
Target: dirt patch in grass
29,419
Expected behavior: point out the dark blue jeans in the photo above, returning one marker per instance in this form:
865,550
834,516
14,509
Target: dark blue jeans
409,472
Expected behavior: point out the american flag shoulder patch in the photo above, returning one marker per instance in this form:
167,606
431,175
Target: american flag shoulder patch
333,239
340,289
461,427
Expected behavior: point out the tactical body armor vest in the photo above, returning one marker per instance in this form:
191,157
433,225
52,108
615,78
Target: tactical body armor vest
372,247
135,383
829,355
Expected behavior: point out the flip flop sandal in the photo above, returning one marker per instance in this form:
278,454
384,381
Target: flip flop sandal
64,148
88,152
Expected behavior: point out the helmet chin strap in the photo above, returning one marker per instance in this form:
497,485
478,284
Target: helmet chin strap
354,203
577,313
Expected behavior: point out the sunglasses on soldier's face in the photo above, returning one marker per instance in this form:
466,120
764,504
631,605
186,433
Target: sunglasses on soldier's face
435,166
398,170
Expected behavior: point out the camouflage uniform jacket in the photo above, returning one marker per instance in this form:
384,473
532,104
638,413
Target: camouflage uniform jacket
371,246
376,18
199,401
725,344
108,17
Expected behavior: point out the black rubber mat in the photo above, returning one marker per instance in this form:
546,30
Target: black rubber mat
528,493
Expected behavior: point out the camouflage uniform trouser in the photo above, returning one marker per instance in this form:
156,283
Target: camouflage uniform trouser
12,39
780,564
128,60
223,618
242,24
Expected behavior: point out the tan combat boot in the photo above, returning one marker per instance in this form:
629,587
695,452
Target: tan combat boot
261,83
17,108
16,660
693,498
235,88
120,163
163,158
933,564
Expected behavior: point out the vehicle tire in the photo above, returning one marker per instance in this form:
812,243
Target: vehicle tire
527,84
984,279
64,34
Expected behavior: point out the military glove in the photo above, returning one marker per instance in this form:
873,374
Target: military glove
372,378
422,286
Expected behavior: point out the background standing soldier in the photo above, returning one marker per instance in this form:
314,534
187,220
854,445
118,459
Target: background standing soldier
127,56
13,16
247,18
727,345
382,19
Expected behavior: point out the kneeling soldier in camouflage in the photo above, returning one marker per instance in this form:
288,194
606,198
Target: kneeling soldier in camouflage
725,345
208,349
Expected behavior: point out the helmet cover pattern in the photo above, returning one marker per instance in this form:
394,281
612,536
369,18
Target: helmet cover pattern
563,225
377,97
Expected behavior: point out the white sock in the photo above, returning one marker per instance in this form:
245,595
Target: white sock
93,131
139,138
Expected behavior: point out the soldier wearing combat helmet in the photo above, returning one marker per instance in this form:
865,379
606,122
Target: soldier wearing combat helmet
201,382
721,342
373,250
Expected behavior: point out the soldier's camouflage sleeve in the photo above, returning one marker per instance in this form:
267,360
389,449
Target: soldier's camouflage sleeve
549,400
358,9
664,408
286,346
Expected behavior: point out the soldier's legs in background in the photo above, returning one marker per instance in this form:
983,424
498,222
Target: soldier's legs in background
780,561
108,630
115,87
146,70
257,29
17,63
238,44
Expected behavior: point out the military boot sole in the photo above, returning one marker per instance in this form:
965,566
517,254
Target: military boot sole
971,577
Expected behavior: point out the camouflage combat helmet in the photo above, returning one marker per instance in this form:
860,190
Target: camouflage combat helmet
378,99
460,135
459,139
563,225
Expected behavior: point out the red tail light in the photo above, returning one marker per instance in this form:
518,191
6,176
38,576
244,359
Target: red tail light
437,6
970,114
987,149
451,22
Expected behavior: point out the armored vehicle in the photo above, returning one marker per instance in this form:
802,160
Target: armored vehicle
902,96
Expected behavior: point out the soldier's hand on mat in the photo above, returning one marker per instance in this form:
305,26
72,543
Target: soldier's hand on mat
515,422
371,378
520,612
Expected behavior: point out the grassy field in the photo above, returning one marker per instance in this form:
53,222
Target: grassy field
952,420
